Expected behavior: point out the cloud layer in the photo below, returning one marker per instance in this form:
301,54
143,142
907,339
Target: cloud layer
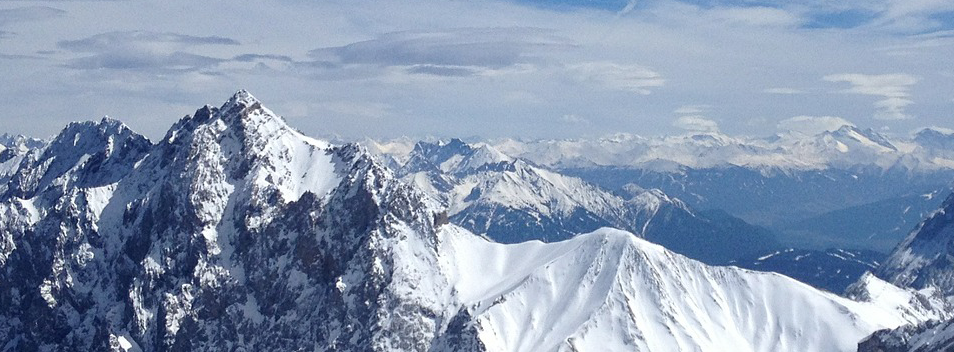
894,89
696,123
527,68
450,52
142,50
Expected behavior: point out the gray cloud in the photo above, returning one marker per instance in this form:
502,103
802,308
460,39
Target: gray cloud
142,50
447,71
259,57
27,14
137,61
19,57
451,52
138,39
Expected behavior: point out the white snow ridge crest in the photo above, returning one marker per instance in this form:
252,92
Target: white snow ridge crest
237,233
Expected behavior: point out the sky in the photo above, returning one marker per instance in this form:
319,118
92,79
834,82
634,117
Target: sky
495,68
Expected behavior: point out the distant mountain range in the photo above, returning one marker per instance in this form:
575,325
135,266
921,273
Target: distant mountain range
849,188
510,200
844,148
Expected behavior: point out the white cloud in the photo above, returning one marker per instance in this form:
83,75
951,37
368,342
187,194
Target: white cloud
755,16
627,77
893,88
783,90
696,123
573,118
691,109
812,125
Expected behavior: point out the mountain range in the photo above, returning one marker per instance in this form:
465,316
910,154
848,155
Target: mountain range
236,232
510,200
805,188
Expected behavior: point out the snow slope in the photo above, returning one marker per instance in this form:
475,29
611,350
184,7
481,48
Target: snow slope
611,291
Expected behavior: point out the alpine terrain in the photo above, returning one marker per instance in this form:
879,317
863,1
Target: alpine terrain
234,232
923,261
510,201
849,187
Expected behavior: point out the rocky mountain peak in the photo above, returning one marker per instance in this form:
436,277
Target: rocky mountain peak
84,154
20,141
925,259
243,105
242,115
865,136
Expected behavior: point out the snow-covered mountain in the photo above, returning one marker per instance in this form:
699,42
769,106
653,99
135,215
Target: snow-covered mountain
510,201
213,239
611,291
235,232
844,148
803,187
924,261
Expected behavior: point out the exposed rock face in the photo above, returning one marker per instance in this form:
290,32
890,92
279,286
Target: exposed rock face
926,257
931,336
924,262
212,239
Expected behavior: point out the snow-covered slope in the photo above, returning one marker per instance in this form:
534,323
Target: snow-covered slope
511,201
235,232
611,291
